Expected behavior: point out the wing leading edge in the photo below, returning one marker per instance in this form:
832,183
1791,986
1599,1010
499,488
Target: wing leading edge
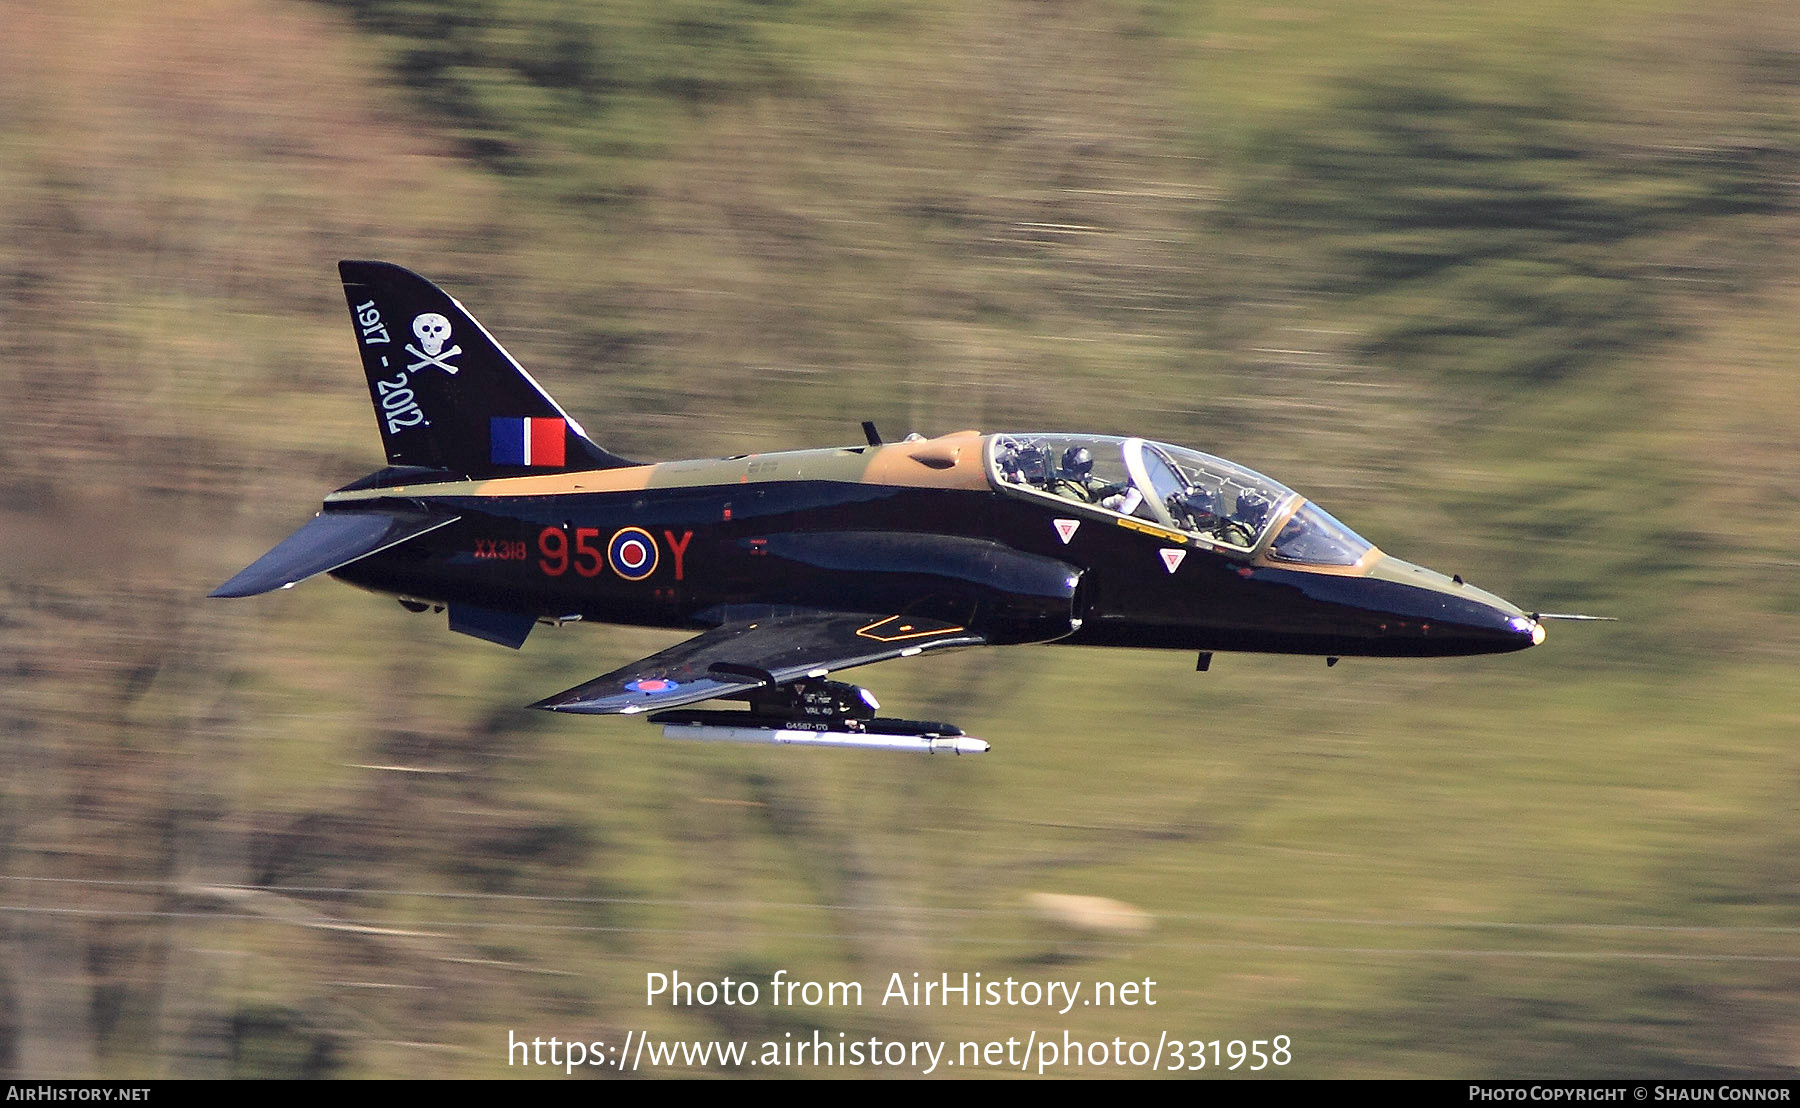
747,654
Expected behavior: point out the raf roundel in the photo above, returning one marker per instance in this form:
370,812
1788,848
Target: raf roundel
652,685
632,553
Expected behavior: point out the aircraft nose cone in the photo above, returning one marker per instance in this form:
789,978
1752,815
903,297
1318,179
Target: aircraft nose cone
1484,627
1465,619
1529,628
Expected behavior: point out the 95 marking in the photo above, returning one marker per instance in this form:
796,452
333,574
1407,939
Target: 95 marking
1227,1054
553,544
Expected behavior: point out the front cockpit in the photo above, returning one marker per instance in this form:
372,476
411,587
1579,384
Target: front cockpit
1228,507
1347,598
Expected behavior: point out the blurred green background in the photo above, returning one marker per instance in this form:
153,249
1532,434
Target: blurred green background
1511,289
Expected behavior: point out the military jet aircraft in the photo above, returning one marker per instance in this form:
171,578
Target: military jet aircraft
496,505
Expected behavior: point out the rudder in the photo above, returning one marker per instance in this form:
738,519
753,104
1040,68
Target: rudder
447,395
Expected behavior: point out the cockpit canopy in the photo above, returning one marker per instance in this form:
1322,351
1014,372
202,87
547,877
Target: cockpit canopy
1221,502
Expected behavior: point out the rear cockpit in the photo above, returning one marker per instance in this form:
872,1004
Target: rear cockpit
1227,506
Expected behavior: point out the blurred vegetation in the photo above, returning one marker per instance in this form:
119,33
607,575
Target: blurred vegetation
1509,288
1503,233
565,91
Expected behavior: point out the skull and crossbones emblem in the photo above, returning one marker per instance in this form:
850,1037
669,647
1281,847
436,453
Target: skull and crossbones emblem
432,330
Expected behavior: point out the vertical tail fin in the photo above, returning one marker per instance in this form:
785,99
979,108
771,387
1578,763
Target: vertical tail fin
446,394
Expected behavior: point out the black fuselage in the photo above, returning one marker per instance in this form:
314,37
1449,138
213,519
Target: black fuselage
677,557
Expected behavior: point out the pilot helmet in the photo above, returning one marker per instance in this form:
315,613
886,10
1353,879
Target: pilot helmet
1199,502
1077,463
1252,506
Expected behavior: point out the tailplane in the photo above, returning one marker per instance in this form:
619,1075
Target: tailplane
446,394
330,540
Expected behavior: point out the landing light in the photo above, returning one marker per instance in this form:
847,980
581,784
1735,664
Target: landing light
1523,624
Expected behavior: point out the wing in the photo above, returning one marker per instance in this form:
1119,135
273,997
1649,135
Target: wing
748,654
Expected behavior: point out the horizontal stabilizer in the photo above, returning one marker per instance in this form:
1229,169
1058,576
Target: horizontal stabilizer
330,540
750,654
